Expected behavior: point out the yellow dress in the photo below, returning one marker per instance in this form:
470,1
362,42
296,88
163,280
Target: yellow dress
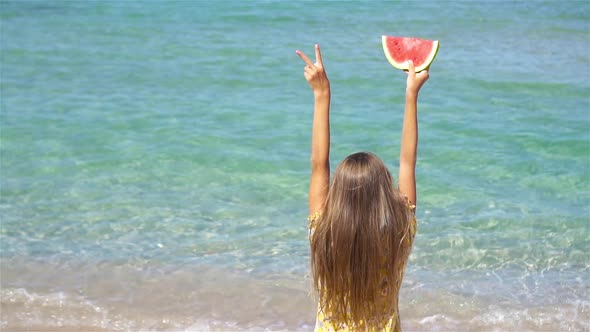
392,323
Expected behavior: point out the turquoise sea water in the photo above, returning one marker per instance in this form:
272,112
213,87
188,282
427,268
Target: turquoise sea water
155,160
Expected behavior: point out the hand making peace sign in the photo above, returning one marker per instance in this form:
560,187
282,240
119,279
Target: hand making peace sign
314,73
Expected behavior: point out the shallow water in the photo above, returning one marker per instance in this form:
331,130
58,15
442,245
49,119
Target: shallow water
154,161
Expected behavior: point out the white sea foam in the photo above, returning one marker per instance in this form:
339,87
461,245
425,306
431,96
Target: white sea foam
23,308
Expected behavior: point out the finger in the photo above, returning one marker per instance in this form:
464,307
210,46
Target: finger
318,55
307,76
308,70
411,67
304,58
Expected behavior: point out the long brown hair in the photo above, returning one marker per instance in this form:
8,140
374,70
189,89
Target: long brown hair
358,236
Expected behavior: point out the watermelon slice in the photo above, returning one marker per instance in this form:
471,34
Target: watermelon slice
399,50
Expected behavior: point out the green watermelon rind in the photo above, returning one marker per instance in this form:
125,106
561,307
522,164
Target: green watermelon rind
404,65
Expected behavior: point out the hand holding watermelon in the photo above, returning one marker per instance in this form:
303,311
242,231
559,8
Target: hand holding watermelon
415,80
314,73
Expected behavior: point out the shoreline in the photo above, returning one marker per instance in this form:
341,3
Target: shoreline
216,299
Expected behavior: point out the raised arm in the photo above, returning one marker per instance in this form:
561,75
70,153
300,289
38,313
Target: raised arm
409,144
320,136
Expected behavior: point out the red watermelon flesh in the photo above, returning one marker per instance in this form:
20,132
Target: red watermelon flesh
399,50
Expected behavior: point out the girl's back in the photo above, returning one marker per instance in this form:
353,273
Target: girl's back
359,247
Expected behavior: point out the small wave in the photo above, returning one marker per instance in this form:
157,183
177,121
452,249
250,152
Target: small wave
22,308
574,316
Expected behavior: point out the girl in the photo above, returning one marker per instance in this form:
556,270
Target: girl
361,227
